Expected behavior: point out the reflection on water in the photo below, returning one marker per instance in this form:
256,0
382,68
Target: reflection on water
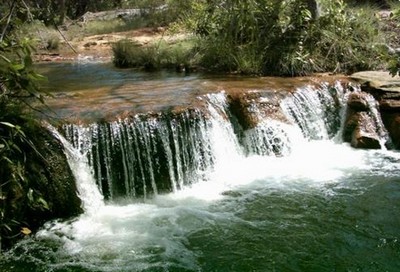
98,90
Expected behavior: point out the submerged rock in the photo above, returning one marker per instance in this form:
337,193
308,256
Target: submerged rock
251,108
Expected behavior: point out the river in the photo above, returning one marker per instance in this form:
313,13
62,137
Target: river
318,205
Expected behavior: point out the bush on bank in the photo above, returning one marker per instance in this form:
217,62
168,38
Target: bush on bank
274,37
159,55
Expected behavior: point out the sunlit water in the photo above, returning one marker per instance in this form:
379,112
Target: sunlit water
90,91
323,206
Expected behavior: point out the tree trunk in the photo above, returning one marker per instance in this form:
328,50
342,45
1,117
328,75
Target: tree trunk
81,8
62,11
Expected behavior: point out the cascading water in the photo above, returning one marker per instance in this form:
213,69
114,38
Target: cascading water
89,193
143,155
316,110
284,195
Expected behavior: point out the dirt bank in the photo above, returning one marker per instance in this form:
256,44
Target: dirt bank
99,47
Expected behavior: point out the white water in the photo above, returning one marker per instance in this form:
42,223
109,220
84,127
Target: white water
89,193
127,236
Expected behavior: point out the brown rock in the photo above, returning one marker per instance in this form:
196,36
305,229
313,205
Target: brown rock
365,134
359,101
392,123
390,105
361,131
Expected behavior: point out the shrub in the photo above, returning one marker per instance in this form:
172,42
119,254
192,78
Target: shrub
18,86
114,25
284,37
53,42
154,56
345,40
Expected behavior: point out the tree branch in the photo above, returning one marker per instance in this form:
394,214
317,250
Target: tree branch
3,34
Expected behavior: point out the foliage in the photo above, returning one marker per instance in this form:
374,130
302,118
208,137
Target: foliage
113,25
154,56
18,86
393,58
283,37
346,39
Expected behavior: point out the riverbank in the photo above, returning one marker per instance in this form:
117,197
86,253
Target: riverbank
99,47
139,46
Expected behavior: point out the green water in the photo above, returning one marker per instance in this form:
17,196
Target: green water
324,207
349,221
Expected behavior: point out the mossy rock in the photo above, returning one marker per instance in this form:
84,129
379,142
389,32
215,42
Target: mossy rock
47,190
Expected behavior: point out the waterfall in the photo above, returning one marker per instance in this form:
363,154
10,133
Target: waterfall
143,155
373,109
316,111
92,199
312,112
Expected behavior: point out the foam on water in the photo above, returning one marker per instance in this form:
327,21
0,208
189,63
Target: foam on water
142,234
128,236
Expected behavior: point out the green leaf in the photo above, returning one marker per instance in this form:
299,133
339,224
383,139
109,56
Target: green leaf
7,124
30,195
18,66
7,227
6,59
43,203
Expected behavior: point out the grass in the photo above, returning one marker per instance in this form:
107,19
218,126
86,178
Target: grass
114,25
180,55
46,38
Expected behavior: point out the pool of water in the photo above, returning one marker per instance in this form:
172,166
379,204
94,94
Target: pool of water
323,207
332,209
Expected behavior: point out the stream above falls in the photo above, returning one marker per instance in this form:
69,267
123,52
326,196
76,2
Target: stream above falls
91,91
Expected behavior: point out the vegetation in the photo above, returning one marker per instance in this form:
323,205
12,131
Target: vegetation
285,38
156,56
393,58
18,86
292,37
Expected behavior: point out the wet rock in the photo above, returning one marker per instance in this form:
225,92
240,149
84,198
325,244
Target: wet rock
240,104
47,192
363,127
392,122
390,105
251,108
358,101
386,90
364,134
350,124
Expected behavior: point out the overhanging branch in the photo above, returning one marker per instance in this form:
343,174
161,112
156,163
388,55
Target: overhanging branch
8,21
